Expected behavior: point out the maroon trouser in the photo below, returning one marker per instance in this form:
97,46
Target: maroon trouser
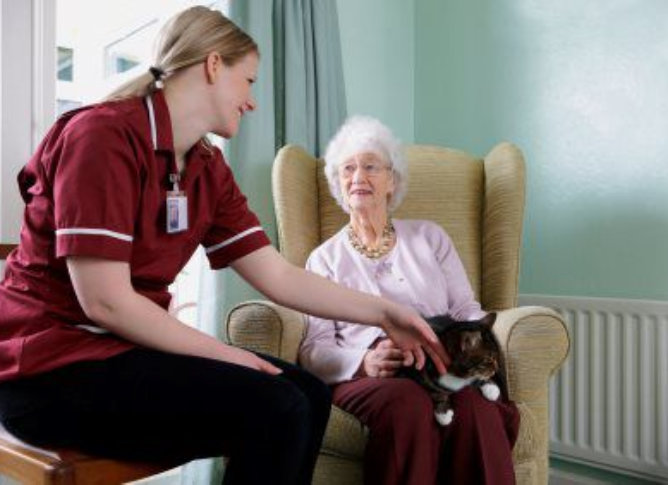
408,447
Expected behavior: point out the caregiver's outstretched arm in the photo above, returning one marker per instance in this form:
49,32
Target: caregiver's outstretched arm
296,288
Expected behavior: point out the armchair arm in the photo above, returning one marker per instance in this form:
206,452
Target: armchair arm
266,327
535,342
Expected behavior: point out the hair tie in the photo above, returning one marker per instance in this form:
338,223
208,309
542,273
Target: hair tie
158,74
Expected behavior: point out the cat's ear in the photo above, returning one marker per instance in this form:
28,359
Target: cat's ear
489,319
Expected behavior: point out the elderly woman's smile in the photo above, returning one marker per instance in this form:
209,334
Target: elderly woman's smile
360,192
366,181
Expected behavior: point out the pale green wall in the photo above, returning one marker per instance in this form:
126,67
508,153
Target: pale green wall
581,87
378,50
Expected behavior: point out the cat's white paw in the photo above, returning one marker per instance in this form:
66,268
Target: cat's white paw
445,418
491,391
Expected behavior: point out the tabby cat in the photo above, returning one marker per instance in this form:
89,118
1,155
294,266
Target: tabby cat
476,359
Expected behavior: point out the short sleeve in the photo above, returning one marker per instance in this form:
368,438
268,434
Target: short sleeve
96,186
236,230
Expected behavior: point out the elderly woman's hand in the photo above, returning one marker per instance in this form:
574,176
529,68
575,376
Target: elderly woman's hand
382,360
411,334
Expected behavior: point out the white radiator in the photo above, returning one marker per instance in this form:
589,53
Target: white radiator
609,401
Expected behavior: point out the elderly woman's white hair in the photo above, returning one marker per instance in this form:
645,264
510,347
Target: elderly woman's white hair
361,134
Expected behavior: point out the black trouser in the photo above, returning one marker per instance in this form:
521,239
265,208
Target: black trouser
154,406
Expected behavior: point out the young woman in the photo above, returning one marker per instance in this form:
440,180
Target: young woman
118,196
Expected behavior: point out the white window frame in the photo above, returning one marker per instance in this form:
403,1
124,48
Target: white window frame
27,96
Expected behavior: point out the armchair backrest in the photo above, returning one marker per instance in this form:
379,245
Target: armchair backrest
479,203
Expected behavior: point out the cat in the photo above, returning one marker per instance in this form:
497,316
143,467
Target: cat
476,359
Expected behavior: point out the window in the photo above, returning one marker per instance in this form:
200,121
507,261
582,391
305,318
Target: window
65,62
123,64
132,48
63,105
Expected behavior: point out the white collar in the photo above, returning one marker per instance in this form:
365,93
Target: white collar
151,120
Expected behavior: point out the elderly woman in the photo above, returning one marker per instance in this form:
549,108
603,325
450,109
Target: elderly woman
415,263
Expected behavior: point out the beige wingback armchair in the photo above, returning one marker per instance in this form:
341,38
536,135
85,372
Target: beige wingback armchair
480,203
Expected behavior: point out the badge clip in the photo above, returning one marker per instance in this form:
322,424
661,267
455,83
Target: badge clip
177,207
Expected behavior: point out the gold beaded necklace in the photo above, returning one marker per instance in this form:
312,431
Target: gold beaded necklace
373,253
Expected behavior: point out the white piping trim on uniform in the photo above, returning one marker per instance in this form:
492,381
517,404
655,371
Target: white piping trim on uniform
151,120
215,247
92,329
93,232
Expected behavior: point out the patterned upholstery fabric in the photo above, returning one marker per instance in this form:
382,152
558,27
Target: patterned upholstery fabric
480,203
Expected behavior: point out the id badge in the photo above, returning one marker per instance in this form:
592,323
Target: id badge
177,212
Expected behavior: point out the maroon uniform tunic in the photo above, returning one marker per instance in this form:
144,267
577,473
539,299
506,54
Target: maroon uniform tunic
97,187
